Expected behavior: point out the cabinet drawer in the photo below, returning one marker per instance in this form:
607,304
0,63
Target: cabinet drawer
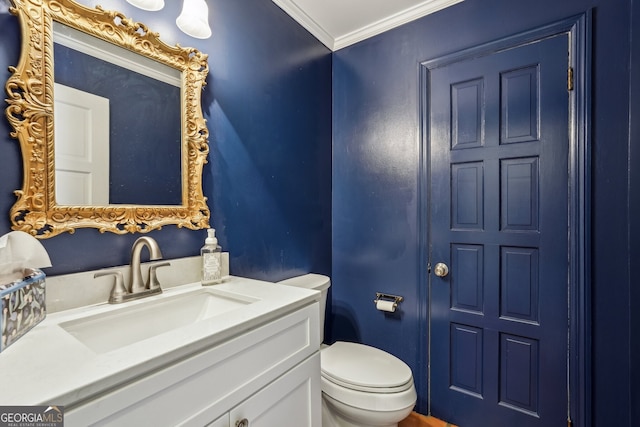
205,386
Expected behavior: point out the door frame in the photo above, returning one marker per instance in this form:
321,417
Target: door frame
579,29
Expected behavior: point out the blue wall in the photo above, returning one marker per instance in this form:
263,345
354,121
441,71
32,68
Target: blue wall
634,212
375,180
268,107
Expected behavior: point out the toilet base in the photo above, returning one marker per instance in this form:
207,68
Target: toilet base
337,414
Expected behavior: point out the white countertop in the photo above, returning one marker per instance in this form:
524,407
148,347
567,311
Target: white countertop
48,366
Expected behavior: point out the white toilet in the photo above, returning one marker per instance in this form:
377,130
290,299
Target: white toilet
362,386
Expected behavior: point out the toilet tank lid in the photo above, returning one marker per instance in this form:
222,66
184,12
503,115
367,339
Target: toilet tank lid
313,281
364,366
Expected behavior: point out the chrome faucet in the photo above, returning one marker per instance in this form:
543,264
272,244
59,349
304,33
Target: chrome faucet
136,285
136,288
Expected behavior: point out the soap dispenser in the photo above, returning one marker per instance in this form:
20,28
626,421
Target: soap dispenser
211,260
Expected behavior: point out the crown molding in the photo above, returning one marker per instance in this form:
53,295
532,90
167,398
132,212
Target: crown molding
340,41
293,10
392,21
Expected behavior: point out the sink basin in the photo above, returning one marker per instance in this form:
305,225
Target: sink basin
128,325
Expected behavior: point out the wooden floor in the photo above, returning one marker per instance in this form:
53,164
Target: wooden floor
417,420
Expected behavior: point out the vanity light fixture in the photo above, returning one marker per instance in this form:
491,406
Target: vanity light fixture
151,5
194,19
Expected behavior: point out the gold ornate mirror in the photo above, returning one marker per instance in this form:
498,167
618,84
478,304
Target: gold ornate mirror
45,25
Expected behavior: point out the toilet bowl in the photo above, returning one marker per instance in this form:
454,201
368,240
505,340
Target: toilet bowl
361,385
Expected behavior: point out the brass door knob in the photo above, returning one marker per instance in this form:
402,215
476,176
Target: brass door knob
441,269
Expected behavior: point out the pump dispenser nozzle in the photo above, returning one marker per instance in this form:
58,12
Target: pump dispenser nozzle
211,237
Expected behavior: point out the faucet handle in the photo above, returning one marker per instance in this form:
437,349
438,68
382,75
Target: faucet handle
118,291
153,282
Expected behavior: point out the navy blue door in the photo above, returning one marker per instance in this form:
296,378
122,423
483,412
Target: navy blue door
499,138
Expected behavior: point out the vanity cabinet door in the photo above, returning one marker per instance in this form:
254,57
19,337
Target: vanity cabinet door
291,400
223,421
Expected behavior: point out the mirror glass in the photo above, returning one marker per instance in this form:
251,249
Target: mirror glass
110,106
109,121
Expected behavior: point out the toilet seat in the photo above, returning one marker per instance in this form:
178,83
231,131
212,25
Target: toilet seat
364,368
379,402
382,390
366,377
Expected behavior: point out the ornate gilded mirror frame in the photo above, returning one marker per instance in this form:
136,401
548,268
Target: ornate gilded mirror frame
30,113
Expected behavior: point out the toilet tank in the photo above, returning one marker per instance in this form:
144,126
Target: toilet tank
317,282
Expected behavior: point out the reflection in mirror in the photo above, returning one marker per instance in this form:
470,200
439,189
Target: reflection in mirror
106,160
122,95
81,126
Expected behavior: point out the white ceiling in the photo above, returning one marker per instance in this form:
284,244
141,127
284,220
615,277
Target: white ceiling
340,23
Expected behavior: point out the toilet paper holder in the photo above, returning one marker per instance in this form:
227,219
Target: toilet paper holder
387,297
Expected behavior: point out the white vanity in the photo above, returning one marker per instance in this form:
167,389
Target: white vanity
243,353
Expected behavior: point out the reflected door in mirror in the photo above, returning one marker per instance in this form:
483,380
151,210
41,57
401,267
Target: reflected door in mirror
82,147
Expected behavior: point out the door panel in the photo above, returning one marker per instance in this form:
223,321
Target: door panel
499,141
